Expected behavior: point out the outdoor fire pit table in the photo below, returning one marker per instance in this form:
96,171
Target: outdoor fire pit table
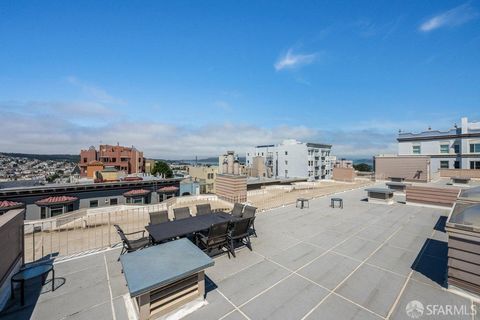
397,179
164,278
380,195
460,180
397,186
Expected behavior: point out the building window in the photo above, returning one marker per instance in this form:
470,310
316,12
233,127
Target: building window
475,148
43,212
286,153
113,201
137,200
93,203
444,164
444,148
84,159
55,211
416,150
69,207
456,148
456,164
286,162
286,173
474,164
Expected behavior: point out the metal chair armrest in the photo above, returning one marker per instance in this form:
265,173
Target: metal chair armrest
142,231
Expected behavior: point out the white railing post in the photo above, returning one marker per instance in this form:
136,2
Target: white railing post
109,229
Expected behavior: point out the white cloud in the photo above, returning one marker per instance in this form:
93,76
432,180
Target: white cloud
291,60
94,92
453,17
56,131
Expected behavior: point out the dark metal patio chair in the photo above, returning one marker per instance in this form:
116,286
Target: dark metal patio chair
239,232
203,209
131,245
237,210
158,217
215,238
181,213
249,212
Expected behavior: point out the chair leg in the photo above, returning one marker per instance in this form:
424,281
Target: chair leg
53,279
249,244
232,248
121,253
254,231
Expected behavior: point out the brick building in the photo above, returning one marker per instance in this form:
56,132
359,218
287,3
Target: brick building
126,159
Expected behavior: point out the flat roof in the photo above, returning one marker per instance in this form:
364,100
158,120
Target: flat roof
364,261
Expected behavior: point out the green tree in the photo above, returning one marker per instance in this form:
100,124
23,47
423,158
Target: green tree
52,178
162,168
362,167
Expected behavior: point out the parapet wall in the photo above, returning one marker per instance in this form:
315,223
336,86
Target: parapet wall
411,168
344,174
464,173
11,249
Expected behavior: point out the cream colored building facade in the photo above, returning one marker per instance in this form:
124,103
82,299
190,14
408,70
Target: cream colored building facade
205,175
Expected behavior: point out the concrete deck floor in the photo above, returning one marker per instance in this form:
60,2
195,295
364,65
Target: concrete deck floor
366,261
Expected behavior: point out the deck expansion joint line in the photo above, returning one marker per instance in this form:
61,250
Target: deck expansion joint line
351,273
397,300
294,272
330,292
234,305
114,317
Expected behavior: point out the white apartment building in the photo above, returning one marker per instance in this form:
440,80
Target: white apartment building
457,148
293,159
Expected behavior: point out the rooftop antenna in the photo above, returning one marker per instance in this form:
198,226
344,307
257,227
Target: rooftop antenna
196,161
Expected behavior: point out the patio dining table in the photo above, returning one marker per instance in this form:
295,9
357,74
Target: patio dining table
178,228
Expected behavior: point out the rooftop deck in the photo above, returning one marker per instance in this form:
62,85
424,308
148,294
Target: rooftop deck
366,261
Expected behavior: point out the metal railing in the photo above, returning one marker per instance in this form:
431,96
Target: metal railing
275,197
88,230
64,236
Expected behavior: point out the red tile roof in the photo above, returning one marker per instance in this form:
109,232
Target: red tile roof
56,200
132,179
136,192
167,189
9,205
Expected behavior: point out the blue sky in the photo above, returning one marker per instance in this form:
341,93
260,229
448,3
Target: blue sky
184,78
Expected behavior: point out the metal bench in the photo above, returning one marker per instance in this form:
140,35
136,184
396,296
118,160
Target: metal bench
336,200
304,203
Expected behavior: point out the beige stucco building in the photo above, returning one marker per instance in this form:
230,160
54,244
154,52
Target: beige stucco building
205,175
